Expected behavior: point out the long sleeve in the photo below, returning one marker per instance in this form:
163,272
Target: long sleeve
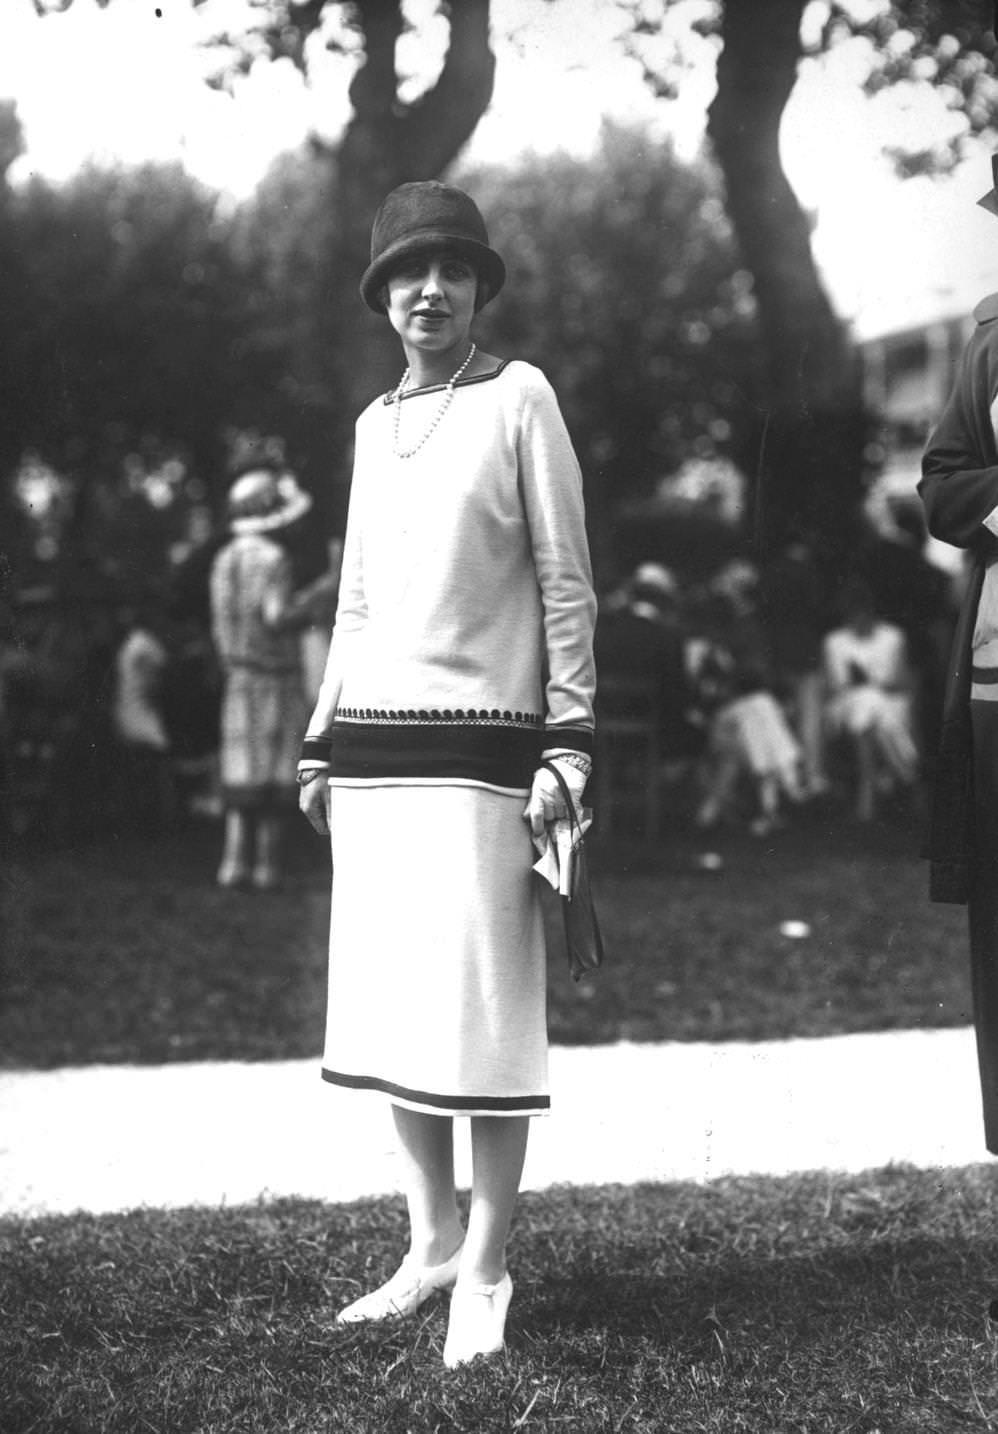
351,615
959,484
551,486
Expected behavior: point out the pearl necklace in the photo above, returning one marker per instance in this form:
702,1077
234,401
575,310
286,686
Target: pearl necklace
448,399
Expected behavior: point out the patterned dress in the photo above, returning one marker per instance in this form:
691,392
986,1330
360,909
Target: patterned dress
263,706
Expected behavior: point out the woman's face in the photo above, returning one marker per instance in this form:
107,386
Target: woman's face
430,301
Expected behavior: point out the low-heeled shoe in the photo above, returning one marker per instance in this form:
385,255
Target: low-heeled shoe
477,1323
410,1286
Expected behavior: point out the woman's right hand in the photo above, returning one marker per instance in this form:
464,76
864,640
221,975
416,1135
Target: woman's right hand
313,801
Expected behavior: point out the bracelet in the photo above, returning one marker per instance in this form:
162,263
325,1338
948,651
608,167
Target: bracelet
309,774
578,760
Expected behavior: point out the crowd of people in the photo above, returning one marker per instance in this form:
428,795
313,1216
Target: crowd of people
770,687
767,688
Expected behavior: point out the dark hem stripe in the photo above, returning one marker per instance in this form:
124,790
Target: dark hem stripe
439,387
441,1102
984,676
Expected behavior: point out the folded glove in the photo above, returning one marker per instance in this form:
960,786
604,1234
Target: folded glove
546,803
554,834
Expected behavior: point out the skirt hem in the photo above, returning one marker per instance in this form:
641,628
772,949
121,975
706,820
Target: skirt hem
430,1103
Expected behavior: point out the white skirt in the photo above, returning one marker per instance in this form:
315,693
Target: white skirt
437,968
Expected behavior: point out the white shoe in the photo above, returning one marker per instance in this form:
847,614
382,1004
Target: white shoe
409,1287
477,1321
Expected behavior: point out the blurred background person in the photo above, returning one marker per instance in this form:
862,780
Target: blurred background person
752,760
870,702
147,798
917,596
256,622
793,612
640,657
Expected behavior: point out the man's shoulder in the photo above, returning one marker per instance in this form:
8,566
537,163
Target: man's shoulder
987,310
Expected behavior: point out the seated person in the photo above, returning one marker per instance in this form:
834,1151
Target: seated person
870,697
750,746
640,659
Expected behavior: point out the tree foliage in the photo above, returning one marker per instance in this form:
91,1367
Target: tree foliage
159,324
625,288
127,356
812,432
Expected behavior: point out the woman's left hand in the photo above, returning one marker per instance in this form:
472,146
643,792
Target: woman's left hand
546,802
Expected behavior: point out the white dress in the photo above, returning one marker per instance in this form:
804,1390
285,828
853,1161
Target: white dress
869,690
462,649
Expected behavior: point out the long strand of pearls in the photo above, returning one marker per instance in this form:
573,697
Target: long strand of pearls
446,402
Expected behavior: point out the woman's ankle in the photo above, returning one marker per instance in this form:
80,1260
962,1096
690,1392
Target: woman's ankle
436,1249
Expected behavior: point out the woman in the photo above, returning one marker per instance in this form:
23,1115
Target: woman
870,698
255,622
461,653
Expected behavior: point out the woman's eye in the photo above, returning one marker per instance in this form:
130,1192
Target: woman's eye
457,270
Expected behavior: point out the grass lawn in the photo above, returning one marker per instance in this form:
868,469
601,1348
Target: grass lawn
127,952
810,1305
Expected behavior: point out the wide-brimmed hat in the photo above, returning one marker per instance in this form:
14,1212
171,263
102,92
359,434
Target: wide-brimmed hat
989,201
262,500
429,215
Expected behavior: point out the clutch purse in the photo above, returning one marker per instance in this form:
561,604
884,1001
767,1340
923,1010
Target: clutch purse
583,938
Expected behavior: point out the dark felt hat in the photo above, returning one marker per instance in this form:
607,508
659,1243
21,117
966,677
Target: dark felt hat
429,215
989,201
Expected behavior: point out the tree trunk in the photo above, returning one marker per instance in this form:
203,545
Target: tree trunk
386,144
810,439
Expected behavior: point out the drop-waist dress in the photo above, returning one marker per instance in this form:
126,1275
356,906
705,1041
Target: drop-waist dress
462,649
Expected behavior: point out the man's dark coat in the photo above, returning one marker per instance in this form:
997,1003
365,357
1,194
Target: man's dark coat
959,488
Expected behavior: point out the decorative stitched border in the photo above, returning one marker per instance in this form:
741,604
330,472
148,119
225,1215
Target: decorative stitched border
439,716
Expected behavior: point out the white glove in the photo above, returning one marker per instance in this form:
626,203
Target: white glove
546,803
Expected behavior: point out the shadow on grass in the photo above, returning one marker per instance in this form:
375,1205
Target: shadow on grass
816,1303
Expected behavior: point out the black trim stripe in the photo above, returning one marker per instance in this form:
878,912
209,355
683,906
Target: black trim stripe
493,753
365,735
984,676
439,387
436,1101
573,739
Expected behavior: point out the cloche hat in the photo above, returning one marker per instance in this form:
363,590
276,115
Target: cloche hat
429,215
261,501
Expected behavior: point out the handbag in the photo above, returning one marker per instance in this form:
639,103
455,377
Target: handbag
583,938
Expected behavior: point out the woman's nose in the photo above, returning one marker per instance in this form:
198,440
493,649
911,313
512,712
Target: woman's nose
432,286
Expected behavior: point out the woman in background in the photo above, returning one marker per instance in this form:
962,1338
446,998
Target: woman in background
256,620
